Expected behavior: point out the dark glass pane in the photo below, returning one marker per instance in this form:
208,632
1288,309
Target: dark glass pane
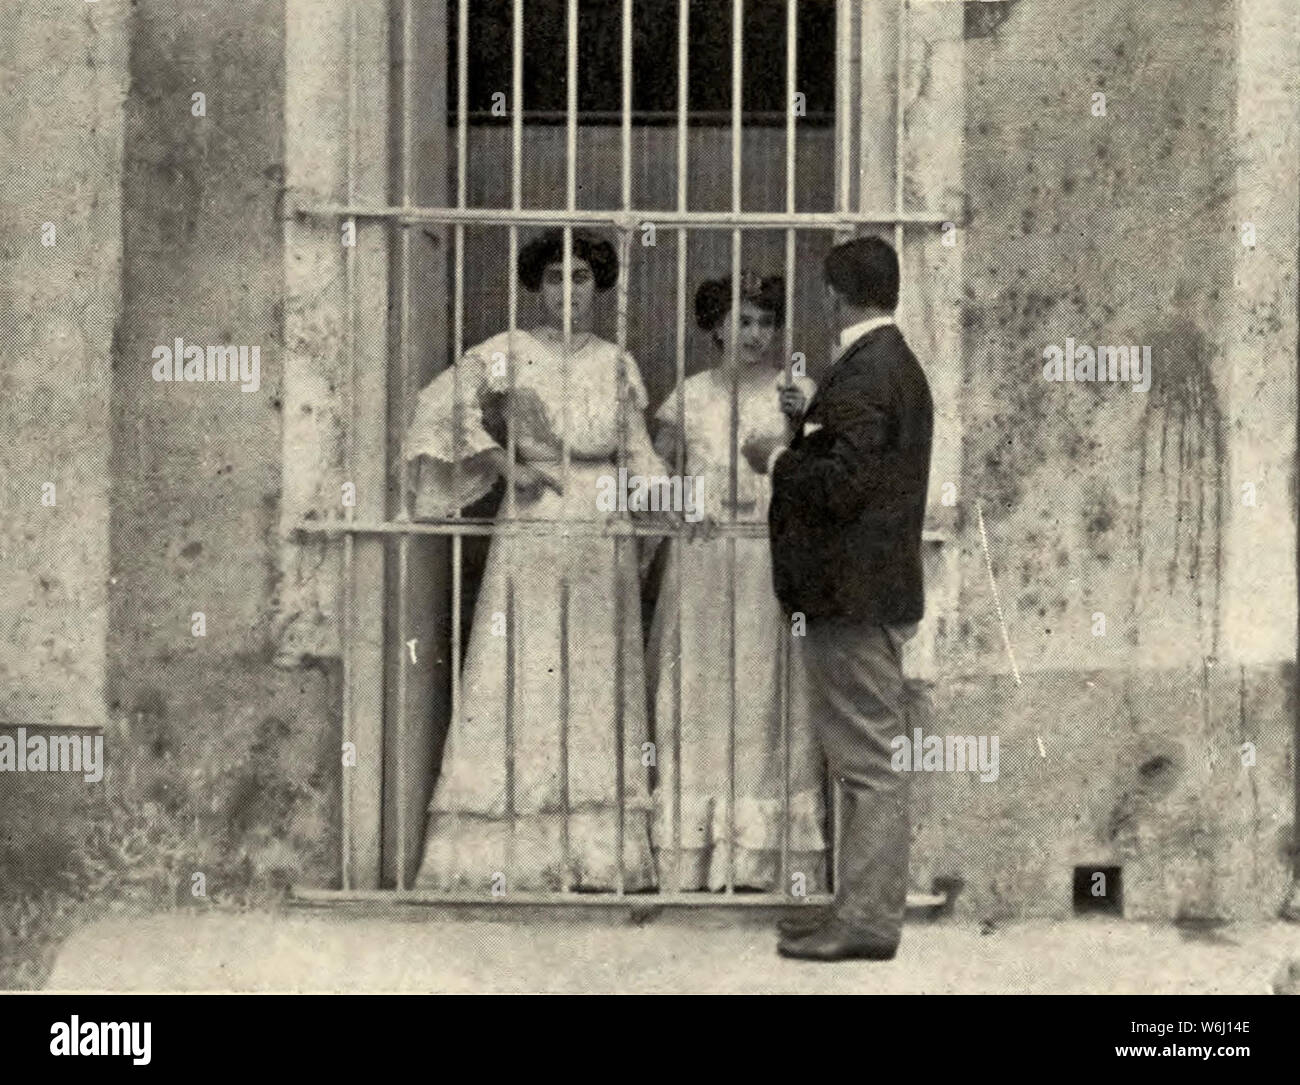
654,45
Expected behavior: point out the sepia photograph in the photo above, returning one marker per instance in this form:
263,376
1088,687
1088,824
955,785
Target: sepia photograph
676,497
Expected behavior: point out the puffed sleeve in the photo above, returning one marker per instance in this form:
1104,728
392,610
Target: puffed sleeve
668,411
642,459
669,416
433,442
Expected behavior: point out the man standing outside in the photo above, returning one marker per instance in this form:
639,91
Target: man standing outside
847,512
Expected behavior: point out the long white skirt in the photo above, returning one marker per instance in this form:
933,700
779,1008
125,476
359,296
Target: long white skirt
705,721
497,821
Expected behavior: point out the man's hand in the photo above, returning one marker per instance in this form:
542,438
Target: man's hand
758,451
793,402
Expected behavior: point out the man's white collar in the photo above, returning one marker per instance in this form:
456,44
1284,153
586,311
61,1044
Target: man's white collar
854,332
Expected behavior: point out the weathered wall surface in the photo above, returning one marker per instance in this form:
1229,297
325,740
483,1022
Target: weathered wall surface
1122,747
64,77
63,72
1109,230
1117,229
197,465
1098,498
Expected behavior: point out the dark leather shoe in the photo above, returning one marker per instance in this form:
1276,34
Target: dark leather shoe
797,924
836,942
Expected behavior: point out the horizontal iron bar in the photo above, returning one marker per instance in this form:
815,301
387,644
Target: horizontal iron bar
703,898
657,118
531,528
629,220
448,525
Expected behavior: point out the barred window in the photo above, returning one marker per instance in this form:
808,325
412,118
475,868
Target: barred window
403,226
654,61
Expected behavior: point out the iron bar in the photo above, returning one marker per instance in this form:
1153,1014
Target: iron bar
626,220
348,602
683,246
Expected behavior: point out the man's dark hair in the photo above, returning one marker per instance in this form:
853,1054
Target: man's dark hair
864,272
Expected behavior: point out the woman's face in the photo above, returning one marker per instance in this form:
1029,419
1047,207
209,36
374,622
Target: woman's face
584,290
757,329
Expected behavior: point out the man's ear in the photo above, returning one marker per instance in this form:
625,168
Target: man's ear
832,300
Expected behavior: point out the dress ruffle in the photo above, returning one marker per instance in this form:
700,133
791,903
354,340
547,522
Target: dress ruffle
471,853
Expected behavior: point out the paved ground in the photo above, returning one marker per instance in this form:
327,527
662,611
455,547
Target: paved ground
674,952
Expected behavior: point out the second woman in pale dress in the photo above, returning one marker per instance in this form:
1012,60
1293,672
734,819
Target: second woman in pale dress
703,665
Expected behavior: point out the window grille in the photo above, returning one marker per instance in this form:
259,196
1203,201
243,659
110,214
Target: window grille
394,227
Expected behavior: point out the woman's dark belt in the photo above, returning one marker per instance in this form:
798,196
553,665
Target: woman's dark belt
574,457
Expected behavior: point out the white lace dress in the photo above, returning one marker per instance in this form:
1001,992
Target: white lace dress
497,818
705,673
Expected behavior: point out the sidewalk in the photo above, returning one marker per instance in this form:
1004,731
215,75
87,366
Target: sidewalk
527,951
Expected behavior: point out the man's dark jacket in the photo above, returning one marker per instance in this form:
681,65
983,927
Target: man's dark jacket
848,499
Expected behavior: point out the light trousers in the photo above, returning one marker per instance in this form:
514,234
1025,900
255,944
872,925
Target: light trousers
857,697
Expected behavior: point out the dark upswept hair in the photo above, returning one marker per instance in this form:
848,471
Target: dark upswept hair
864,271
713,298
548,248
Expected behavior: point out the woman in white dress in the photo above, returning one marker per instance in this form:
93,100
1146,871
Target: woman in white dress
764,397
527,798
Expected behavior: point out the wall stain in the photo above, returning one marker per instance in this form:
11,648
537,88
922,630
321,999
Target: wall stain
982,19
1005,449
1100,515
1181,456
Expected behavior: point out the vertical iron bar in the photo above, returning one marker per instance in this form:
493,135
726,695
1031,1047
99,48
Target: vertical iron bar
683,104
462,169
783,661
864,104
516,202
843,113
899,78
458,345
737,166
516,104
566,264
565,845
404,512
512,687
899,90
625,250
349,541
843,146
626,170
571,202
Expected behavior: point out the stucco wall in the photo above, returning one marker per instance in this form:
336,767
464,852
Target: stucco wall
1110,230
1121,744
1114,230
197,465
64,76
